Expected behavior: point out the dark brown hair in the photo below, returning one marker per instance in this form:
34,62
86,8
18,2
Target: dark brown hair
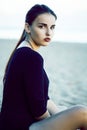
31,15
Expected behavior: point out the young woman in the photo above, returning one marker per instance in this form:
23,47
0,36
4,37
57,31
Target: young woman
26,104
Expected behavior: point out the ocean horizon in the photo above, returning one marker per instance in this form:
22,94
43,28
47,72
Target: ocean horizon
59,36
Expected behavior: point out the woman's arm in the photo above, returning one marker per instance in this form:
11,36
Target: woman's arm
52,108
45,115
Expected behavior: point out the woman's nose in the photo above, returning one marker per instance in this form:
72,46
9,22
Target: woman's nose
48,32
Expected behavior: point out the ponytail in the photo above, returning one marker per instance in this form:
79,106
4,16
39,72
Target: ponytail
22,38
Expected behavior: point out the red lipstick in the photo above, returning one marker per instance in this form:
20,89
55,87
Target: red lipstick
47,39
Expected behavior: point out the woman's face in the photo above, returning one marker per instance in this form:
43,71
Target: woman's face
42,29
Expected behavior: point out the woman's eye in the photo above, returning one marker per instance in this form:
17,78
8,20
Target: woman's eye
41,26
53,27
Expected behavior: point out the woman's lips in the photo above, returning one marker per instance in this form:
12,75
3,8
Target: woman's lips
47,39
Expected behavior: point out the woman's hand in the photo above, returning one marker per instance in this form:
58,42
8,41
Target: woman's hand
52,108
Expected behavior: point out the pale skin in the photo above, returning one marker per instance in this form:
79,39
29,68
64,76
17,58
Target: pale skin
39,34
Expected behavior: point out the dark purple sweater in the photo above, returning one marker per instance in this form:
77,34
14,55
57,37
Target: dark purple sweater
25,92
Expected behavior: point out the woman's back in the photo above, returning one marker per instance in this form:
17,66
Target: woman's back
19,105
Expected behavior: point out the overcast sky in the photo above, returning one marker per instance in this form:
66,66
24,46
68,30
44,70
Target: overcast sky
71,23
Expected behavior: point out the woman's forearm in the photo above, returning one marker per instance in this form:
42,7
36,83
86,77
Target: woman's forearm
52,108
45,115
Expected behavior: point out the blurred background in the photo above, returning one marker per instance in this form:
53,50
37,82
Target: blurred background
65,58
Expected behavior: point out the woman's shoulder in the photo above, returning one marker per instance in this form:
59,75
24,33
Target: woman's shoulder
27,52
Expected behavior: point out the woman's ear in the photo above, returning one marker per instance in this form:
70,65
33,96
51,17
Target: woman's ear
27,28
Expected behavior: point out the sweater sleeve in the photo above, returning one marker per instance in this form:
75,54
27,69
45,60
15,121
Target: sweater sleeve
34,85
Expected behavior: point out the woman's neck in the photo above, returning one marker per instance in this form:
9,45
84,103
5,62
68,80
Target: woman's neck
31,44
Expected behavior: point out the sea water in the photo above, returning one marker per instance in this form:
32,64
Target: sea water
66,66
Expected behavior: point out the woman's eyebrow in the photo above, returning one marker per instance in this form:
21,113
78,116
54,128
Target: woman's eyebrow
43,24
46,24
